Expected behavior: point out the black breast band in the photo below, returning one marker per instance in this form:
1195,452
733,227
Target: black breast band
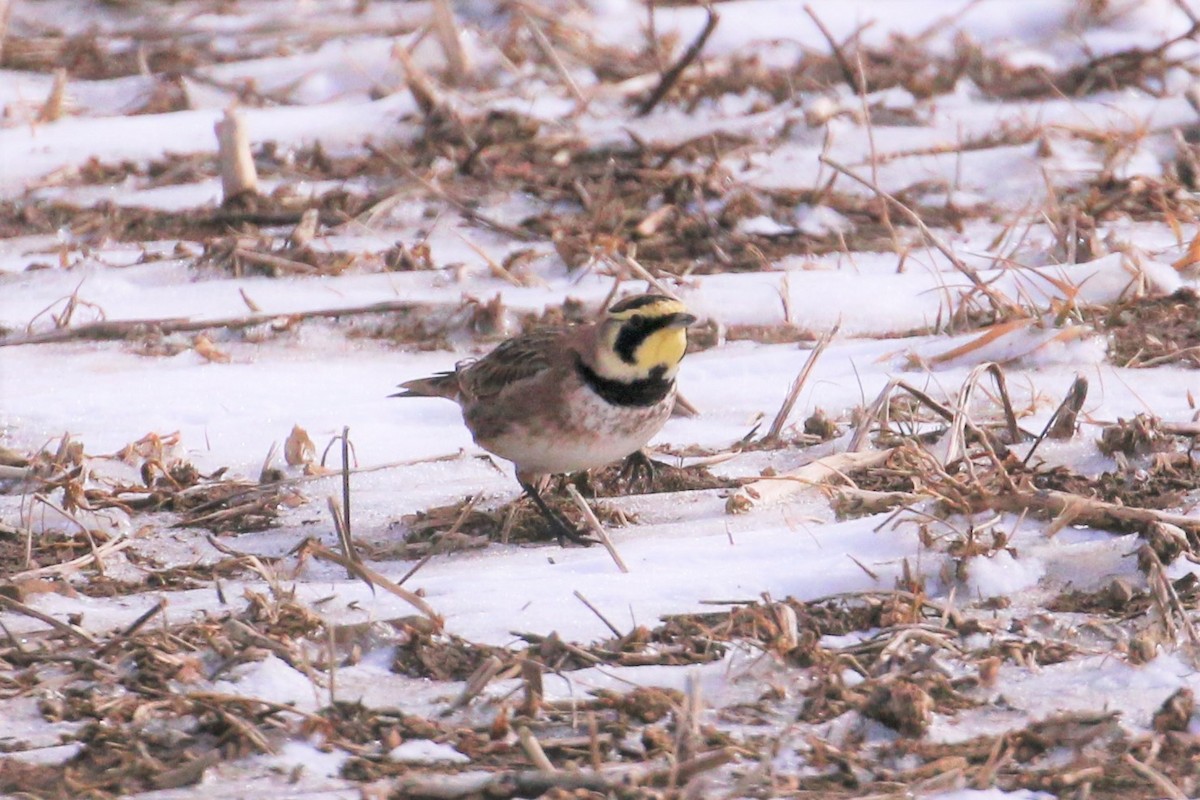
643,392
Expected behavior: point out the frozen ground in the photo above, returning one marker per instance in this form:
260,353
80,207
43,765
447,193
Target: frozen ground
958,633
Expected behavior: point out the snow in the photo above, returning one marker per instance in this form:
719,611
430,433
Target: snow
312,760
684,553
423,751
275,681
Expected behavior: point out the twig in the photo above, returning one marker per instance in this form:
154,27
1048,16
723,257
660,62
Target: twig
1160,782
1061,424
687,770
617,633
551,55
132,628
595,527
495,266
774,488
531,675
343,535
62,627
853,78
52,109
84,529
419,84
533,749
114,546
425,559
1092,512
644,274
671,76
366,573
280,263
789,402
346,491
470,214
872,415
1010,416
998,303
477,682
978,434
303,233
446,29
122,329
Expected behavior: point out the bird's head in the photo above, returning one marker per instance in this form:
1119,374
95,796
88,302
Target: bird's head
642,337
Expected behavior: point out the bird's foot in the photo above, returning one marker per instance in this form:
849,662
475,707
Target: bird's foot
639,470
567,531
563,529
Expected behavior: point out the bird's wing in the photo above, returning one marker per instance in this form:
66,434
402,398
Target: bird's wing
518,359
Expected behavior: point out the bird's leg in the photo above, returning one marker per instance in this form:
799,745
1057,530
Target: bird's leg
562,527
638,468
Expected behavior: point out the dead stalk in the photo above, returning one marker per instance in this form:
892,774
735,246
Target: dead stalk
642,273
1061,424
61,627
1160,781
52,109
104,330
478,681
132,628
596,528
871,416
533,749
238,175
427,97
6,7
372,577
346,488
1000,306
671,76
789,402
578,596
446,29
495,266
547,47
415,568
854,78
343,535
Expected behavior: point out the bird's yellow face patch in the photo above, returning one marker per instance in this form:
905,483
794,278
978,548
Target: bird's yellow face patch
665,347
643,336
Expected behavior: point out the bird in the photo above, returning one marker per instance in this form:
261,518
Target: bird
559,400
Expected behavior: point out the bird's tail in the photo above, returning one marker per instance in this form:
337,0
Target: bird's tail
444,384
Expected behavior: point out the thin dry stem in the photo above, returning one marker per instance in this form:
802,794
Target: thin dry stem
1001,306
671,76
789,402
615,631
446,29
596,528
547,47
533,749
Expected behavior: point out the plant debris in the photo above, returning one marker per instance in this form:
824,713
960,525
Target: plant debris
575,162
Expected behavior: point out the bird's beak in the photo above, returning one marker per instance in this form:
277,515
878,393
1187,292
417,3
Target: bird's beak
682,319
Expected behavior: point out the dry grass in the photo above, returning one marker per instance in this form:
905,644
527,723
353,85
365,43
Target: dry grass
946,467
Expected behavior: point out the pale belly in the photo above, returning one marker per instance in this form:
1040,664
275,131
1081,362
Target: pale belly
602,434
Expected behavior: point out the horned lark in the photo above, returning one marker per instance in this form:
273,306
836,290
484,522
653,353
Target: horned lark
562,400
